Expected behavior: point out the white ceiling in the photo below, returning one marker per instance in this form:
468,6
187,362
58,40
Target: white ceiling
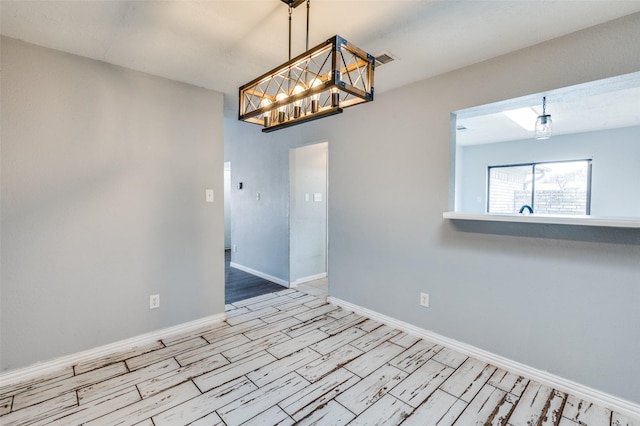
222,44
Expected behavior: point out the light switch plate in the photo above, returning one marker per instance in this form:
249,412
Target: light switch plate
208,195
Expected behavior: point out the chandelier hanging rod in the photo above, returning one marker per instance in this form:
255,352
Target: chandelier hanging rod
292,5
290,10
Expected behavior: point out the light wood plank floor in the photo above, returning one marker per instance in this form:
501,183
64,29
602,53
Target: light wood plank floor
290,358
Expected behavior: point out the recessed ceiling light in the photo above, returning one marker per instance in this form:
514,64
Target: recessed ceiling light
523,117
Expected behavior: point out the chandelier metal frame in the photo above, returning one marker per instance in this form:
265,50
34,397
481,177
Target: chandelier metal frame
318,83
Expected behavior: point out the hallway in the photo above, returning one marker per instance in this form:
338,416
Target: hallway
240,285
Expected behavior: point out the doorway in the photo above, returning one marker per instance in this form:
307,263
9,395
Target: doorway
238,284
308,171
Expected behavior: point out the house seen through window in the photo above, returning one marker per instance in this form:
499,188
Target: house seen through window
555,188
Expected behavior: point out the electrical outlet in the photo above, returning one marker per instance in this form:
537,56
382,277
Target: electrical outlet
424,300
154,301
235,248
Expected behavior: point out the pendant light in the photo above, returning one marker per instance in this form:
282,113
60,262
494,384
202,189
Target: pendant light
318,83
543,123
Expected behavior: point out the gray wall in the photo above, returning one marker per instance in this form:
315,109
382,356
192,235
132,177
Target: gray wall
104,173
616,167
308,221
558,298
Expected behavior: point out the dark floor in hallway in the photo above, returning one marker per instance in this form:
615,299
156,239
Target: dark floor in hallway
240,285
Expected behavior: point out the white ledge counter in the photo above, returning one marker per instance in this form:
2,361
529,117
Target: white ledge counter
611,222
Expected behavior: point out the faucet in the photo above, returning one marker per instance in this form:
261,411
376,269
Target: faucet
526,207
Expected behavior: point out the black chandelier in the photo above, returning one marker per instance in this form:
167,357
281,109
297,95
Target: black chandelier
318,83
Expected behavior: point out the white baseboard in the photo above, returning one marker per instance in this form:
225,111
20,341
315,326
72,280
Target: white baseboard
609,401
21,374
308,278
260,274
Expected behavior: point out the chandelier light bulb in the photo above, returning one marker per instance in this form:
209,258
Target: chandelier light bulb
335,97
267,115
297,105
315,99
335,92
282,109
